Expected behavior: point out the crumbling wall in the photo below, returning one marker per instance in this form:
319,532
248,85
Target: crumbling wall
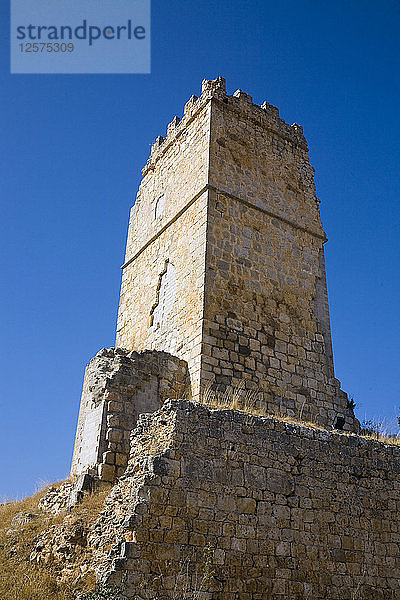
118,386
285,512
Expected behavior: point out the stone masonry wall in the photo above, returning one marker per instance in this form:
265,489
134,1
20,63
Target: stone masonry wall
224,264
118,386
263,325
168,227
182,247
266,312
284,511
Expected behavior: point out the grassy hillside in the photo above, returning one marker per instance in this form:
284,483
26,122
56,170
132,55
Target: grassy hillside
44,556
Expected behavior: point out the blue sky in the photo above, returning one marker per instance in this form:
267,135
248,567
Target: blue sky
72,150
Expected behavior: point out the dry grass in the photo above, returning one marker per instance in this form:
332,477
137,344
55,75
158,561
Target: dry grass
249,402
22,579
383,437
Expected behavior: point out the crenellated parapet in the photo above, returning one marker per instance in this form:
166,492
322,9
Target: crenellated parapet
213,88
266,114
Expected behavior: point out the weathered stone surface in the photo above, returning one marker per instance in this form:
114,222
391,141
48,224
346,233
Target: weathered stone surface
57,499
19,521
225,277
224,261
118,386
286,511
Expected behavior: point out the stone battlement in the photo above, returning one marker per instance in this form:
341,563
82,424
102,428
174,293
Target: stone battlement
215,89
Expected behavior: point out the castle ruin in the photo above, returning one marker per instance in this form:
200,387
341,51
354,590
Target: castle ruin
224,288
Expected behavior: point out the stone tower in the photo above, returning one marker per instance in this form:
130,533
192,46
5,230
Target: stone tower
224,264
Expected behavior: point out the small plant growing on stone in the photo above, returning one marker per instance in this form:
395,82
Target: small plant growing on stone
234,398
382,430
301,411
355,594
373,428
190,583
350,403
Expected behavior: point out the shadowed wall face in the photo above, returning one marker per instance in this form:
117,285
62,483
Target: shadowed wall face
267,325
